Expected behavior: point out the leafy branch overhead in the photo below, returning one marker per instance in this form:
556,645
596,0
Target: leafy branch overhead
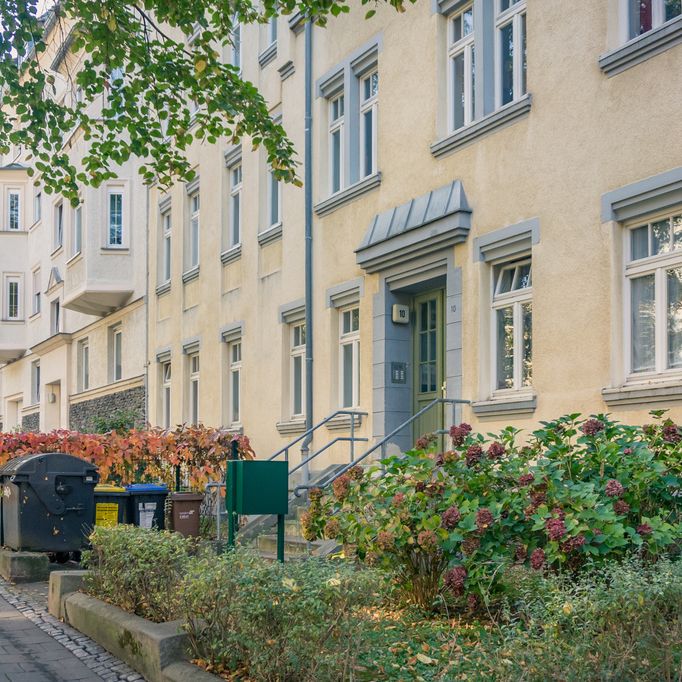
141,80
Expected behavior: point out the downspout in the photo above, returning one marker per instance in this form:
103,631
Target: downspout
308,189
146,313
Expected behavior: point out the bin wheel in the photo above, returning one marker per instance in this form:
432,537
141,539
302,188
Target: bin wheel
76,556
61,557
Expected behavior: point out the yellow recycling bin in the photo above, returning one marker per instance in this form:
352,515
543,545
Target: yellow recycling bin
111,505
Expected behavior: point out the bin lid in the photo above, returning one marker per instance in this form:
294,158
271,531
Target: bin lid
187,497
47,462
109,488
148,488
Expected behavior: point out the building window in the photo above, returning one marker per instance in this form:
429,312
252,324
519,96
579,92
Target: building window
194,226
115,219
58,240
37,206
237,46
35,382
235,204
166,394
645,15
234,381
13,210
654,276
116,354
349,357
512,326
274,199
194,388
13,298
166,246
511,45
36,291
55,317
336,118
297,369
83,365
272,30
369,98
77,231
462,68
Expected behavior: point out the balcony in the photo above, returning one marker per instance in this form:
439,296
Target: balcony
12,340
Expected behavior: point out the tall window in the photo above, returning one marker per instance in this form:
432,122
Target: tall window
116,354
77,231
513,326
194,226
234,381
35,277
166,223
349,357
336,125
654,276
83,365
297,369
13,210
58,225
274,199
13,298
194,388
37,206
462,68
235,204
369,98
237,45
115,218
55,317
511,41
35,382
648,14
272,30
166,394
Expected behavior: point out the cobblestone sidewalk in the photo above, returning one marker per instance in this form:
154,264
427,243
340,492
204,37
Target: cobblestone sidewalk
36,647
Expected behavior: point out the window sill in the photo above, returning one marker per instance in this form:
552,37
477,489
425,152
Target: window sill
267,55
232,254
643,393
191,274
272,234
74,259
342,421
348,194
6,230
108,250
642,47
524,404
57,251
35,224
293,426
163,288
34,316
13,320
487,125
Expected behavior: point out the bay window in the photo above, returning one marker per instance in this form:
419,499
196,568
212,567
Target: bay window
13,298
461,61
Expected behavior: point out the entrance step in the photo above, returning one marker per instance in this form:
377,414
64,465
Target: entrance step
293,545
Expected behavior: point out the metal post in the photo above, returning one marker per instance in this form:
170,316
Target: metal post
352,438
280,538
231,495
177,478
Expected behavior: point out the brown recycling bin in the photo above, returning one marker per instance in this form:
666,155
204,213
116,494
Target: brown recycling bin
186,507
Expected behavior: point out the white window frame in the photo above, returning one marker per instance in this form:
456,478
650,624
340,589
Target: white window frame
464,45
37,206
58,236
84,364
657,265
297,351
236,56
236,179
369,104
77,231
13,192
166,380
193,397
119,244
234,391
350,338
35,382
272,31
9,305
514,15
274,191
36,295
116,354
336,126
55,316
657,18
514,299
166,245
194,228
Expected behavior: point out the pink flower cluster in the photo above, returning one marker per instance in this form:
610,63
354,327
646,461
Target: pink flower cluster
537,559
473,455
451,517
591,427
496,450
556,528
454,580
614,488
459,433
484,519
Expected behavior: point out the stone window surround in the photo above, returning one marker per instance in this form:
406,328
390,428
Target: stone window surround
488,118
290,313
506,243
190,273
636,201
641,48
345,77
165,206
232,157
229,334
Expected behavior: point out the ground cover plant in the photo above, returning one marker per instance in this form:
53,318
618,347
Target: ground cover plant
448,525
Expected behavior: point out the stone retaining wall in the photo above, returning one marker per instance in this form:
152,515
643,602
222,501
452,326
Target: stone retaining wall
83,414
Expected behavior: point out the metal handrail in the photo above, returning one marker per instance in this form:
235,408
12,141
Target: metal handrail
312,429
382,443
338,439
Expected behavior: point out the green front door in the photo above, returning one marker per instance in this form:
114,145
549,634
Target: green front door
429,360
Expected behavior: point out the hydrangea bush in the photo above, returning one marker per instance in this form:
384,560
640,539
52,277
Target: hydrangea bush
576,492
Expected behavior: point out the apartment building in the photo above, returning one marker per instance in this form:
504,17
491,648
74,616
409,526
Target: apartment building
497,191
72,331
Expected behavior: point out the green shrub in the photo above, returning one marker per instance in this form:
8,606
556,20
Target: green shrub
120,421
138,569
274,623
578,490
